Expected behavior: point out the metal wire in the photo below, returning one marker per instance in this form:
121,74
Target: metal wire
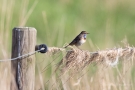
23,56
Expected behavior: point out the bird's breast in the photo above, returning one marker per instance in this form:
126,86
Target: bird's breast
81,42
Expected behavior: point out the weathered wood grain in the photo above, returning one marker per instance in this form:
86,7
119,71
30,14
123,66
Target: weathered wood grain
23,70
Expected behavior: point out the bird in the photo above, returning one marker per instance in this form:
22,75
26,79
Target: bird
78,40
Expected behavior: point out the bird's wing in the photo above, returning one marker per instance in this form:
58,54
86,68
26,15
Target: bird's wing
76,39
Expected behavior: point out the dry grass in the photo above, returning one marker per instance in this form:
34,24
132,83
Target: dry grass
78,59
75,65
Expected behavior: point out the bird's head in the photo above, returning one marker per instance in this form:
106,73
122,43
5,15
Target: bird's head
84,32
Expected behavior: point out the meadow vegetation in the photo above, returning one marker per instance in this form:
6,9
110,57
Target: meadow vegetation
111,23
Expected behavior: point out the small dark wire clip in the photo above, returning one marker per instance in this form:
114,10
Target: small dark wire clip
39,47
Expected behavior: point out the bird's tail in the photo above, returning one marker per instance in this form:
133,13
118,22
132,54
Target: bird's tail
66,46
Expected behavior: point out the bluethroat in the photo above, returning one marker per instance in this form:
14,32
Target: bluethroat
79,40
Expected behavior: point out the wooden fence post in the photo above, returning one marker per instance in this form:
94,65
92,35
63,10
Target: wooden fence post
23,69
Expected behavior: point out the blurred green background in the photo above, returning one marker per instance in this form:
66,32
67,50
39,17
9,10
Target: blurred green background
59,21
107,21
